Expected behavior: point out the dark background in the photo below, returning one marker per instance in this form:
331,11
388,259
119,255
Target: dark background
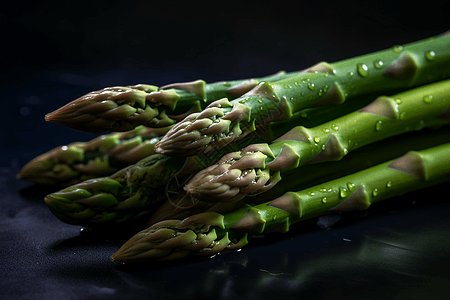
55,51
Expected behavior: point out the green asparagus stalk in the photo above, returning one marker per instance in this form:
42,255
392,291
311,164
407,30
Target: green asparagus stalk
257,167
71,164
122,108
114,199
84,203
223,121
209,233
179,205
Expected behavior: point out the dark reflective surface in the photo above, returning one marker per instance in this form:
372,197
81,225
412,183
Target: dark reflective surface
398,250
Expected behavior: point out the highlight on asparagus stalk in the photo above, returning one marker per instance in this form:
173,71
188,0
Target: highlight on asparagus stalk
71,164
257,167
122,108
117,198
223,121
209,233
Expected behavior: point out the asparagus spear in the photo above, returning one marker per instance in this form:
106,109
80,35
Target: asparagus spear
209,233
70,164
223,121
122,108
84,203
117,198
257,167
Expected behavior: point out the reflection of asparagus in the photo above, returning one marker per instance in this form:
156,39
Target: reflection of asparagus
324,84
124,108
210,233
102,156
84,203
255,169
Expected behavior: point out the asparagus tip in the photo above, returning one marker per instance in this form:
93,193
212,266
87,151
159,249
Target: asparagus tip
202,132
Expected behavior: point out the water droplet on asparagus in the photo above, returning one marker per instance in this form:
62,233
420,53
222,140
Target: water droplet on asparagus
335,127
154,140
351,186
398,101
325,130
362,69
343,192
389,184
349,74
375,192
397,48
316,139
430,55
378,64
324,200
427,99
420,125
311,86
378,125
402,115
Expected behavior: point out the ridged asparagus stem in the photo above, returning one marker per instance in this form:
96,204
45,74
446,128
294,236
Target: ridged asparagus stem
257,167
102,156
123,108
209,233
117,198
399,68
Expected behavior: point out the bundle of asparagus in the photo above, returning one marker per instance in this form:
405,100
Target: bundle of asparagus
209,233
207,162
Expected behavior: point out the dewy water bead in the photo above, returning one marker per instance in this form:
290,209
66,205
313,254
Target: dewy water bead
430,55
428,99
362,69
397,48
378,64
